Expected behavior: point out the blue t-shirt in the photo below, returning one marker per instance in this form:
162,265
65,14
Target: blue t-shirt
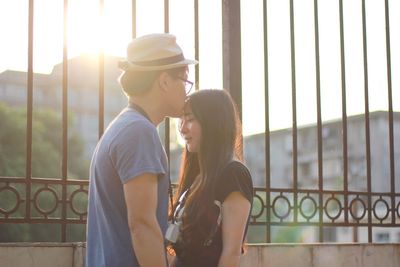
128,148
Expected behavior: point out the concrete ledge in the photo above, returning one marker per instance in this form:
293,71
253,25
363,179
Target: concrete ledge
42,254
322,255
257,255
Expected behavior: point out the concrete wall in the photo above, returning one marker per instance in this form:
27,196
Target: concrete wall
42,254
322,255
269,255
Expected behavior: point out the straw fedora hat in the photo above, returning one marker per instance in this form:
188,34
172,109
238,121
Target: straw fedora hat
154,52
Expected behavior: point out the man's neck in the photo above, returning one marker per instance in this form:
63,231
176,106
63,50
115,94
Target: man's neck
151,107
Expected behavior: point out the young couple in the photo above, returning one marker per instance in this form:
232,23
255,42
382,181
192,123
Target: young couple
128,192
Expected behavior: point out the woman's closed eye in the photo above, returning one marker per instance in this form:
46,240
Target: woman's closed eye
188,117
189,120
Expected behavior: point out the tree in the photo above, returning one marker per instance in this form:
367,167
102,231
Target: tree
46,145
46,163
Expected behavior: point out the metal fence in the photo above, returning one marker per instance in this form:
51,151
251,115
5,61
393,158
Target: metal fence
272,206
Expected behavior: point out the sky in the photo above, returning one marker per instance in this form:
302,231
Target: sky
89,33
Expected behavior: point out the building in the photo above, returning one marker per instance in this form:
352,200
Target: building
281,168
83,93
281,150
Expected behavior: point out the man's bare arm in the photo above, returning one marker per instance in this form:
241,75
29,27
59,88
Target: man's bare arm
141,203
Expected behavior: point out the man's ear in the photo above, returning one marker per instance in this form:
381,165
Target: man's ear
164,80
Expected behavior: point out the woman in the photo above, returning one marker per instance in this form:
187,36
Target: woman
210,215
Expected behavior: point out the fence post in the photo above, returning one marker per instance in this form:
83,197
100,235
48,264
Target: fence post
231,50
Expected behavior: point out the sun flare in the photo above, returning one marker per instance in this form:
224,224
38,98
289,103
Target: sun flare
93,29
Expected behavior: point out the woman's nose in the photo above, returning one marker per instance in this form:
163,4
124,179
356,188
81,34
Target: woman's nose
183,128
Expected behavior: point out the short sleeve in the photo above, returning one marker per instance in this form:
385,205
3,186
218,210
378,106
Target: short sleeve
137,150
235,177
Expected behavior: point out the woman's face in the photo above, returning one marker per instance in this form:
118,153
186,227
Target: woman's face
191,131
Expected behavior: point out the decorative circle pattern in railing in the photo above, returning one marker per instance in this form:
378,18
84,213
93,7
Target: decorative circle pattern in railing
328,208
355,208
284,206
379,211
258,203
46,198
73,203
308,214
36,200
281,207
12,190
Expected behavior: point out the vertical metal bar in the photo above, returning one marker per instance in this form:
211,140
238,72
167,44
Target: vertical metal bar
101,76
166,16
267,130
355,228
344,114
64,125
29,112
367,129
196,44
390,107
133,18
231,51
294,111
319,123
166,121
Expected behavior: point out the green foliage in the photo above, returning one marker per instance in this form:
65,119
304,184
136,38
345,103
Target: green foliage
12,140
46,163
46,145
289,234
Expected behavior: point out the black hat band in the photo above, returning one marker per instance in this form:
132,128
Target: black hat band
161,61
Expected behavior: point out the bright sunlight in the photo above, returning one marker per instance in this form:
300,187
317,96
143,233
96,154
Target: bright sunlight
91,30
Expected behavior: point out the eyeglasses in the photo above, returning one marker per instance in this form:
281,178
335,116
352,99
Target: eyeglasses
188,85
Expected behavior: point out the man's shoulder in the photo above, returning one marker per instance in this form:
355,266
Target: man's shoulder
130,121
131,128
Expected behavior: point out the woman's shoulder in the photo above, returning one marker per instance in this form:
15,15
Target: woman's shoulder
235,168
235,177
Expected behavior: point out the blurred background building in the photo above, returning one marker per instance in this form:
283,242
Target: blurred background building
83,93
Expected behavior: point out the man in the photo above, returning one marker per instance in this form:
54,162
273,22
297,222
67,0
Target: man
128,192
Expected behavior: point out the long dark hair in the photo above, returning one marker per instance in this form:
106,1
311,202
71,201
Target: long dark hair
220,142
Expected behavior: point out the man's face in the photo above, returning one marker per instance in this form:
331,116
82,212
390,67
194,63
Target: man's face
176,94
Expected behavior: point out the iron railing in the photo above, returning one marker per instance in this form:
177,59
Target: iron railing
348,202
354,208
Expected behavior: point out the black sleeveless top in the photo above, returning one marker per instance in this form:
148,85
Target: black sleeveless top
235,177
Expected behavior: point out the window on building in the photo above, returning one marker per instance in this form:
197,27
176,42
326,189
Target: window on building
382,237
330,234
